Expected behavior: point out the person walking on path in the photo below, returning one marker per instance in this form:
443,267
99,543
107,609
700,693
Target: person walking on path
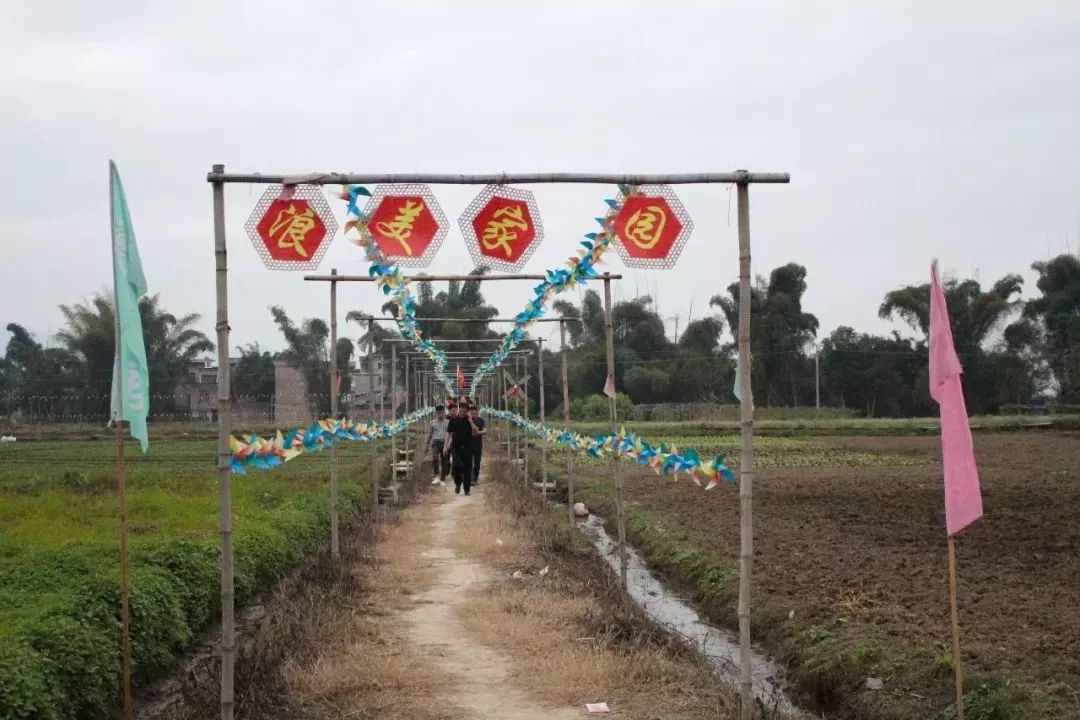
458,446
479,429
436,440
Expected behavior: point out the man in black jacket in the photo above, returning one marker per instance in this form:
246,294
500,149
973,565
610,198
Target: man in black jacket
458,445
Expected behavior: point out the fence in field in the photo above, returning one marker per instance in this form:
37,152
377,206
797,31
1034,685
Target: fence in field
681,412
180,408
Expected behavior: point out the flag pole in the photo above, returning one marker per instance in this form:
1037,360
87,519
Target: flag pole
121,470
958,668
125,621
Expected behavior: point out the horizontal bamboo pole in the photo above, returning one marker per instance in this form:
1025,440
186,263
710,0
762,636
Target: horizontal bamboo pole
480,320
449,342
738,176
441,278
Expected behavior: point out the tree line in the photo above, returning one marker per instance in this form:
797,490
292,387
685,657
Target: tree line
1014,351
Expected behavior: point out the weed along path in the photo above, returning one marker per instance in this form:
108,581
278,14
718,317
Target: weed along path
490,607
482,685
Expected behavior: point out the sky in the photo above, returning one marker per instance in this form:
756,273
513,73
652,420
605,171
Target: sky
911,131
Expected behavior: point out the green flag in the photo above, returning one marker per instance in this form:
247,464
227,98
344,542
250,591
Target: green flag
131,381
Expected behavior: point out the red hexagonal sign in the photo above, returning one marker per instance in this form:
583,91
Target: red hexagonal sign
503,227
652,227
406,223
291,228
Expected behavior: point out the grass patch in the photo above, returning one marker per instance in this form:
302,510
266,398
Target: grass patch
59,576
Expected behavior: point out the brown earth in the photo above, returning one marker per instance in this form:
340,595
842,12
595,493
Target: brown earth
866,547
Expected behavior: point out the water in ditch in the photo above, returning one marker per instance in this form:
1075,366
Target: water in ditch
719,646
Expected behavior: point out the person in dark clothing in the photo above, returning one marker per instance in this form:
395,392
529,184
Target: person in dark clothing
458,446
479,429
436,439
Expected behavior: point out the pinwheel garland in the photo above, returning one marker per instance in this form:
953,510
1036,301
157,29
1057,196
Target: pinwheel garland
392,282
252,451
580,268
629,445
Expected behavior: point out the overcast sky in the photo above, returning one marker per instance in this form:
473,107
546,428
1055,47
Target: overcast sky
936,129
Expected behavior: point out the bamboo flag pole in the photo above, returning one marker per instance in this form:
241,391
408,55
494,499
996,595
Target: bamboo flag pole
125,618
119,376
615,469
335,545
958,667
963,494
566,419
228,618
746,468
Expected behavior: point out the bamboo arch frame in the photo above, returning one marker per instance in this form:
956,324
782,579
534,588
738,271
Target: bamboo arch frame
742,179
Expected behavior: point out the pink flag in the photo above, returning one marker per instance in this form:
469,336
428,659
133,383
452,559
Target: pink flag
609,386
963,499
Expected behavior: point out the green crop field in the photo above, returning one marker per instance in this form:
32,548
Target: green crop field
59,627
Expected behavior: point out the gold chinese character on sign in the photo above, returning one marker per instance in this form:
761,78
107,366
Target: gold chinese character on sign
291,227
401,227
645,227
503,228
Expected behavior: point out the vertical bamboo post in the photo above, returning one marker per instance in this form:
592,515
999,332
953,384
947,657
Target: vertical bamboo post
958,667
566,419
408,407
523,436
746,468
125,617
615,469
509,425
121,478
335,545
228,619
393,411
543,420
371,414
517,403
817,380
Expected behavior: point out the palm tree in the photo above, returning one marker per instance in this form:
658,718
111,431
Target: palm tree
171,344
590,316
780,331
973,314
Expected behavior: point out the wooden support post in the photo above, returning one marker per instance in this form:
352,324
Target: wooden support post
958,666
746,467
566,419
335,544
371,416
228,598
543,418
615,469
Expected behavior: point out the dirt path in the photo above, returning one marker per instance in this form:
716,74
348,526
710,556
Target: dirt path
482,686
